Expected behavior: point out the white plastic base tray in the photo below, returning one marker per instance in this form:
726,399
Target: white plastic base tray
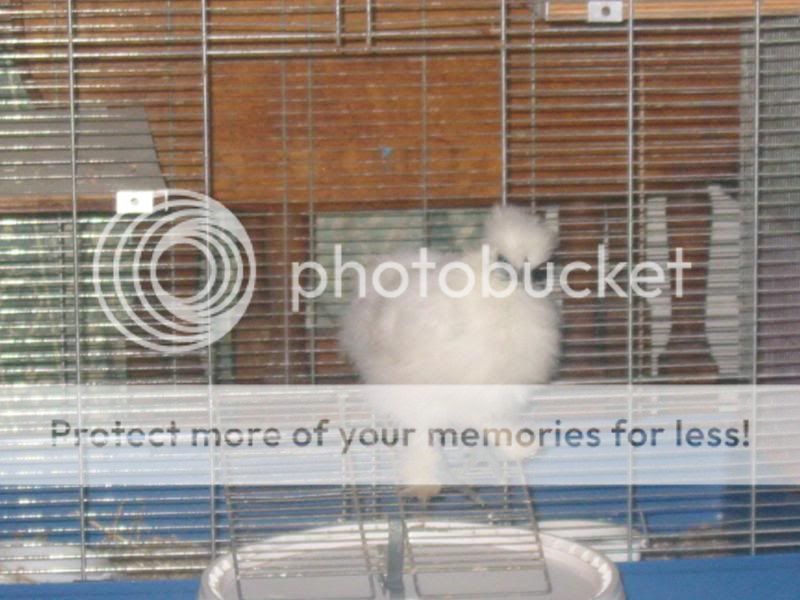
576,572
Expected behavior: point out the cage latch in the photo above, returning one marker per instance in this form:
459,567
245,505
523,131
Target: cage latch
395,559
604,11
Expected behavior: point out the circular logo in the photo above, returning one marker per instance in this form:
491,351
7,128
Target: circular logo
142,302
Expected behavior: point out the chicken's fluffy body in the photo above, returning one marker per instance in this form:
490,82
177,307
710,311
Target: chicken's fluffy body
475,339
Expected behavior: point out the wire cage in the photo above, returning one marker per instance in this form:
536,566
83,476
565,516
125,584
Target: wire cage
639,126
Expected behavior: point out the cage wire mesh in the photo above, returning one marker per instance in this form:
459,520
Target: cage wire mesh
355,541
388,123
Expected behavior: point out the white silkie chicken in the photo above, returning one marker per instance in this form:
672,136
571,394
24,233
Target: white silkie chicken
478,339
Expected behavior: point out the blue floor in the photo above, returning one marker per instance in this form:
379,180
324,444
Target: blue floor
775,577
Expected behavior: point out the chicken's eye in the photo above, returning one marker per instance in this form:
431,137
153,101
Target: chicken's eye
503,259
